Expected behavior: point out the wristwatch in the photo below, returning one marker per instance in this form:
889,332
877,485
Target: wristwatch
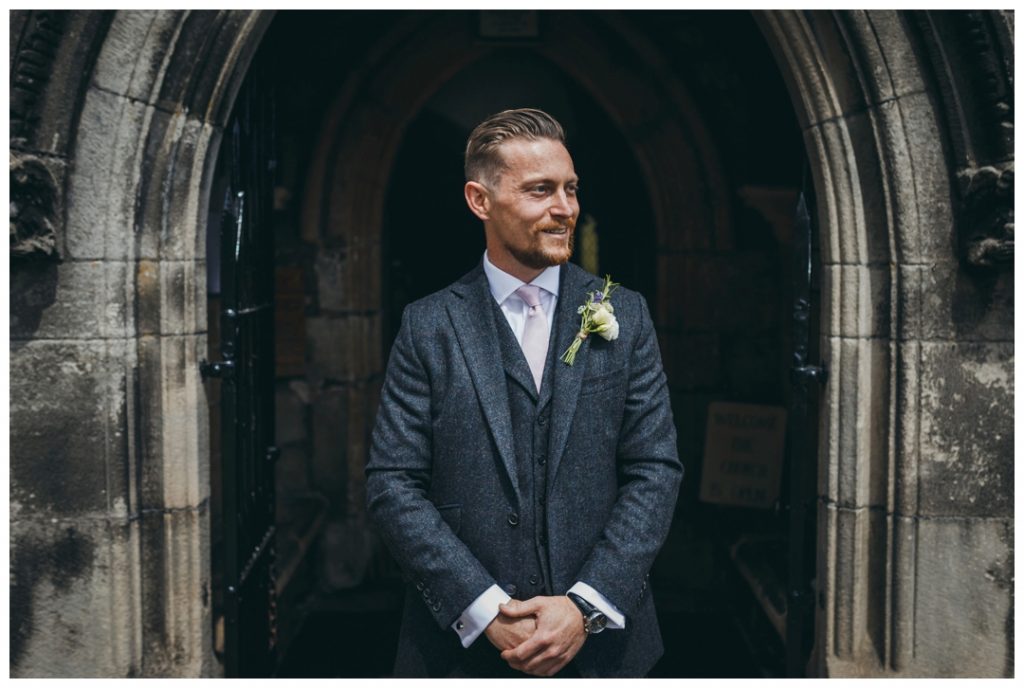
594,619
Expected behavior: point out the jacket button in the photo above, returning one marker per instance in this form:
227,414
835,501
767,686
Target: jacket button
513,518
542,459
534,579
542,421
511,589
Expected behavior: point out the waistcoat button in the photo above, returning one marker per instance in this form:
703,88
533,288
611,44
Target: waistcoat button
513,518
534,579
511,589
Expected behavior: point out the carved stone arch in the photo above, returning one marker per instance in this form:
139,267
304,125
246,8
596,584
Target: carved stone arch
883,175
127,121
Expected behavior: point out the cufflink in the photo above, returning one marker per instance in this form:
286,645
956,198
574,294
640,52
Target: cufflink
459,625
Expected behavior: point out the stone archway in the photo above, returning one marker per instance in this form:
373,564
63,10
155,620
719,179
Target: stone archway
128,119
885,159
911,488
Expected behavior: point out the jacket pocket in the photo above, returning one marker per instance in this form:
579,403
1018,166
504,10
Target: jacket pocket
452,515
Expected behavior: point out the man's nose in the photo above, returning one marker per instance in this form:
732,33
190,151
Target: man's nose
562,205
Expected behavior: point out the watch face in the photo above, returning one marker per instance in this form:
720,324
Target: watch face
596,623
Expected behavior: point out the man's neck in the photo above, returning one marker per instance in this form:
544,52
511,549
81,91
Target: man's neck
510,265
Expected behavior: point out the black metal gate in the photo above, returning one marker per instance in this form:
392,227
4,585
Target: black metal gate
806,380
246,371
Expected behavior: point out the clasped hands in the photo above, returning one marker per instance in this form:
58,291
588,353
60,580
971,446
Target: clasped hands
538,636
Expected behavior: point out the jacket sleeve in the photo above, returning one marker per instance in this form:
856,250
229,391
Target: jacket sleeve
445,573
649,474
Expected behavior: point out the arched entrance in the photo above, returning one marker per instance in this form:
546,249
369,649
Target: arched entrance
140,139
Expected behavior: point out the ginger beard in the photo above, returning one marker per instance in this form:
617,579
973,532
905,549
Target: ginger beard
546,249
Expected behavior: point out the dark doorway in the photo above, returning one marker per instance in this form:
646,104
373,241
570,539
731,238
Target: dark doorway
721,294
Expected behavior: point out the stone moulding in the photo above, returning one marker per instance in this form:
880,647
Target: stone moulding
884,156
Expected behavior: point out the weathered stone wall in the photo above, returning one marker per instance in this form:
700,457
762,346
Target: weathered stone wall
113,118
916,487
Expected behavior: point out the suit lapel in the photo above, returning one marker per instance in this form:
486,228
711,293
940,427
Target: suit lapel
572,292
474,324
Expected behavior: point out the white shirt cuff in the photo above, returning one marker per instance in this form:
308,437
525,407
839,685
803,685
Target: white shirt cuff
479,615
615,617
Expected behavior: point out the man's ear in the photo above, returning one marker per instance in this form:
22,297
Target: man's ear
478,200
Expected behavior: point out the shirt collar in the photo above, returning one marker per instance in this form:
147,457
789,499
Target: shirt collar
504,285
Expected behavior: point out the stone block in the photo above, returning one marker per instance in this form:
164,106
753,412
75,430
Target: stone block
68,300
178,307
291,473
289,416
348,278
171,412
881,37
966,465
141,40
942,301
857,300
345,348
853,587
330,443
963,619
104,182
174,608
68,427
857,434
920,185
74,586
870,193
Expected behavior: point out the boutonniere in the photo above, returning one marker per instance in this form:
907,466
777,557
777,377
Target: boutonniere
598,317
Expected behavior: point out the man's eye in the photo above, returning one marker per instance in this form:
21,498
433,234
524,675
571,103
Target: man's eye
542,188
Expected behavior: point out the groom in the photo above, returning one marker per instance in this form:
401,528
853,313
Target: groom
523,497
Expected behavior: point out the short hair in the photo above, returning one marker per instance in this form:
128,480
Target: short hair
483,160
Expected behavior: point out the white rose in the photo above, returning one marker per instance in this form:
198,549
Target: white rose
600,315
605,323
611,330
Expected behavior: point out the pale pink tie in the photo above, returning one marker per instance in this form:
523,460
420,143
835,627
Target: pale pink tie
535,333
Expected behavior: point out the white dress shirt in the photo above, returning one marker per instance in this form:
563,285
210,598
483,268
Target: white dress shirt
478,615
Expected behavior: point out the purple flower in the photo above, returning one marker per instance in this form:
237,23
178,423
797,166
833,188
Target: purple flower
598,296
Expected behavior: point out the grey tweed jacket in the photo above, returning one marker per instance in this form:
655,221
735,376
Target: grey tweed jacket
442,479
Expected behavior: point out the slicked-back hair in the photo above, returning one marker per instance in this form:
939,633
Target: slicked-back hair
483,159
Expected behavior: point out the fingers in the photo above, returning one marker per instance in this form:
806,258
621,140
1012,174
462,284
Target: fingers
517,609
538,659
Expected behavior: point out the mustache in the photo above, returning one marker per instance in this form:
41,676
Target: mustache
568,224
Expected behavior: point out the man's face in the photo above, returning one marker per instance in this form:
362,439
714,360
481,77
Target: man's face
533,207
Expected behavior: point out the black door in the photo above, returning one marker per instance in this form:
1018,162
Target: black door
244,547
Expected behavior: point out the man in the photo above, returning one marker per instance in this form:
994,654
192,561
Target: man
524,498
